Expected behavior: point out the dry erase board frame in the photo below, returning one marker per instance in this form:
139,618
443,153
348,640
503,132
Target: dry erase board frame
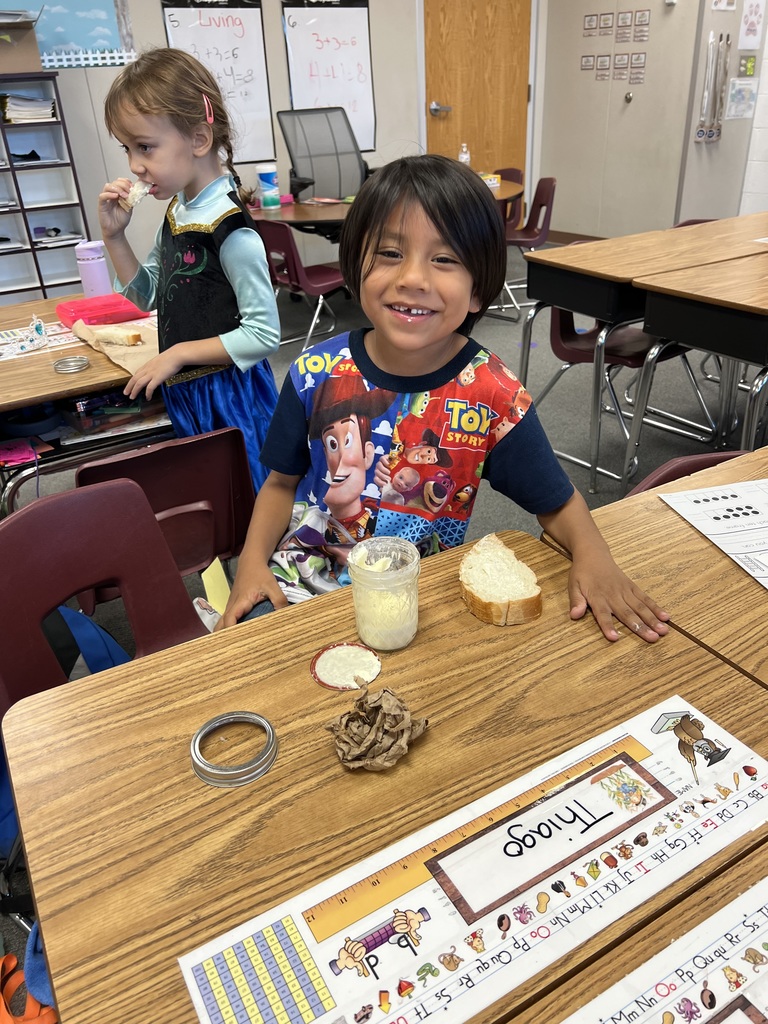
229,39
328,45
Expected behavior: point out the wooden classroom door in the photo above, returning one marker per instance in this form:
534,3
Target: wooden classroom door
476,63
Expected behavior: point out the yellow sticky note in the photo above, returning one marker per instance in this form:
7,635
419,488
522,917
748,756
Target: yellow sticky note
216,585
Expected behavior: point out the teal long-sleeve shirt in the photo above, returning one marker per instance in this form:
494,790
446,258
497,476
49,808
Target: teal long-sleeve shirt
245,264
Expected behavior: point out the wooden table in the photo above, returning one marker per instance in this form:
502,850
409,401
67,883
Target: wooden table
604,279
133,861
326,218
596,278
655,936
323,219
710,597
720,308
31,379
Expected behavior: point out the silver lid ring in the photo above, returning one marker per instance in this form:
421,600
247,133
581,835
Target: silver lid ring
227,776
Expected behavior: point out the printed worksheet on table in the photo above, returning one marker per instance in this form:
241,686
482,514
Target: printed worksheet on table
457,915
732,516
717,972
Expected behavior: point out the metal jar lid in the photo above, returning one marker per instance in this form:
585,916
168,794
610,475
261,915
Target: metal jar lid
228,776
71,364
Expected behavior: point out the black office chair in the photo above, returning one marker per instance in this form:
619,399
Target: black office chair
325,158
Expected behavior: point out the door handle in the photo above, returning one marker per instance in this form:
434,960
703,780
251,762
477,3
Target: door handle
436,108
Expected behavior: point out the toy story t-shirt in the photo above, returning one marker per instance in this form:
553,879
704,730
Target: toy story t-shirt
380,454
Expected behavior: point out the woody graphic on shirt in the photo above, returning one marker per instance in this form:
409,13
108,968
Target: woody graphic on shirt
385,462
341,419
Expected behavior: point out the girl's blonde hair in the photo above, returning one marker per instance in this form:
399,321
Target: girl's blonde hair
166,82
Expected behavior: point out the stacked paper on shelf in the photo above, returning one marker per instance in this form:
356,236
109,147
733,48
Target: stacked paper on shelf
18,108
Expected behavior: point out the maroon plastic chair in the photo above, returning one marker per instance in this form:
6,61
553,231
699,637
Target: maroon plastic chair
625,346
287,271
682,466
513,208
200,489
533,234
68,542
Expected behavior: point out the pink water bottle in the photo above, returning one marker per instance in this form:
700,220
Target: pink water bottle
93,269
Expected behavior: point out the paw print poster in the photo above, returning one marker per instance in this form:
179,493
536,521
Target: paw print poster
751,25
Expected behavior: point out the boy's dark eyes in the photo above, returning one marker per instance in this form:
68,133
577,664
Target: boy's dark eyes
394,254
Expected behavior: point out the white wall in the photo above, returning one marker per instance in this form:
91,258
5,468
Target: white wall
713,173
395,31
398,68
718,180
754,196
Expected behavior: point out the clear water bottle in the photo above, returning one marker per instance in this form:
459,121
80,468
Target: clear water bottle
93,269
464,154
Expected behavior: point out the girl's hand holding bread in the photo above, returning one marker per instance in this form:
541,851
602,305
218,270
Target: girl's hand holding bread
116,206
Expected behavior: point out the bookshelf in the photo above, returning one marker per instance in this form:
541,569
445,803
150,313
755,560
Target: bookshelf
41,209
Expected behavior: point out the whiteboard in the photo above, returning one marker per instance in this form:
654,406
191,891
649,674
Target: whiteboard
329,64
230,42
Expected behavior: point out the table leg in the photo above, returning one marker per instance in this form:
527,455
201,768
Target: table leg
525,343
755,408
598,372
730,374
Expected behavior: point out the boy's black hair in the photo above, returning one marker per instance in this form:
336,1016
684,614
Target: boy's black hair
456,200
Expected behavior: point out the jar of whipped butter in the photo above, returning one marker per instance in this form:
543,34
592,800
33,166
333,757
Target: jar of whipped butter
385,588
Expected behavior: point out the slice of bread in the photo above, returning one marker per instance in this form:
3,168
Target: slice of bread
115,335
137,192
496,586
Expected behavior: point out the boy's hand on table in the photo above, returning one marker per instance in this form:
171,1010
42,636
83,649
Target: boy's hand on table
601,585
244,597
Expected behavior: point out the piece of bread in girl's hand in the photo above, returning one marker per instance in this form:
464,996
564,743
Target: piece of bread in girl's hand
138,190
496,586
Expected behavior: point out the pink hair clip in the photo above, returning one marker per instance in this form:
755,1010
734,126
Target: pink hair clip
208,109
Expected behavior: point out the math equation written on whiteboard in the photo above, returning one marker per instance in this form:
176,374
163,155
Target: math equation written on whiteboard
329,63
230,42
458,915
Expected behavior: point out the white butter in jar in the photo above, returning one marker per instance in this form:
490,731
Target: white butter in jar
385,587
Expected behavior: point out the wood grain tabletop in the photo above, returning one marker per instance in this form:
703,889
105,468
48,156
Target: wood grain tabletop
653,252
736,283
134,861
306,214
707,594
31,378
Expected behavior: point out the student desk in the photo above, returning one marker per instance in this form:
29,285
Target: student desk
654,937
326,218
603,279
134,861
710,597
720,308
321,218
31,379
